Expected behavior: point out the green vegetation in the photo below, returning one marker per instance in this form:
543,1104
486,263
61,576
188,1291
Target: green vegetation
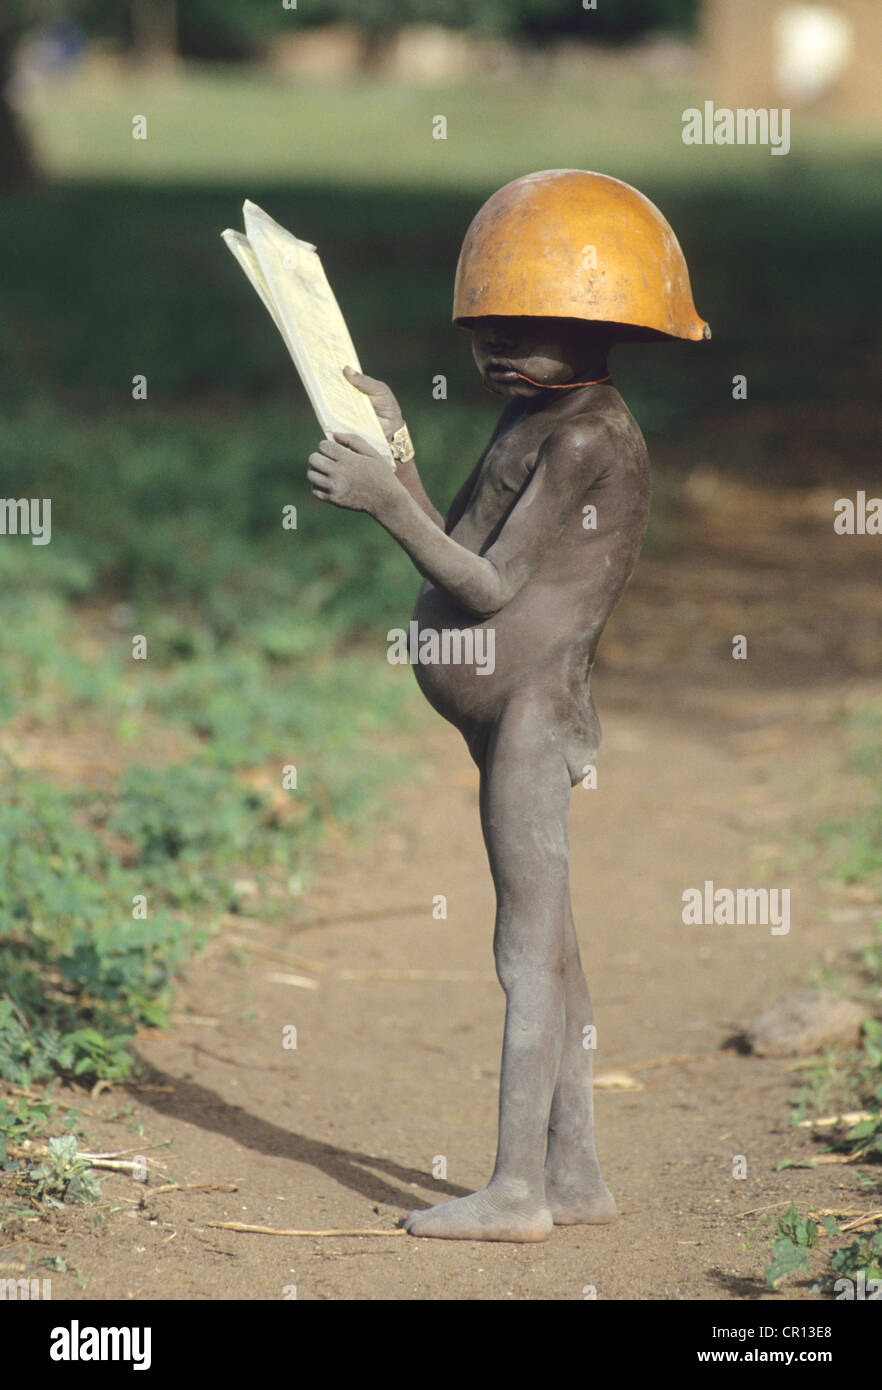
852,1271
61,1177
796,1235
856,844
852,1082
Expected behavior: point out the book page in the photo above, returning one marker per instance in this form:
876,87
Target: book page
288,275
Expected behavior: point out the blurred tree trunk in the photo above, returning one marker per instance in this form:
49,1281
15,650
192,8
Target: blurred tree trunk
154,32
376,46
16,165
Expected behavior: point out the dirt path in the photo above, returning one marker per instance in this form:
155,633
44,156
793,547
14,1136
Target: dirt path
713,774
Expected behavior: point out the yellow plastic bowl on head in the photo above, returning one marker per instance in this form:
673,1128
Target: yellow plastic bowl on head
566,243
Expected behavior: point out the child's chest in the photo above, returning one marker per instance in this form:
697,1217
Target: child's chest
507,467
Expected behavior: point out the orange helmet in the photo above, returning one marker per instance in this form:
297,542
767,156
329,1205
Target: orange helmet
569,244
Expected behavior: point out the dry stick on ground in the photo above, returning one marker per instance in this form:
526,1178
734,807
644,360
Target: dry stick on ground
113,1165
838,1211
851,1117
279,977
417,975
47,1100
863,1217
272,1231
868,1218
239,923
111,1161
755,1211
195,1187
137,1149
285,957
375,915
17,1011
835,1158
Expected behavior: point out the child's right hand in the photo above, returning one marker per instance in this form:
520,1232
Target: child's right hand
385,405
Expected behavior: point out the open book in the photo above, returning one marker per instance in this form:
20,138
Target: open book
289,278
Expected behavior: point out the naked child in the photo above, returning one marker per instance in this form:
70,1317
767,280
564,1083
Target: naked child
538,545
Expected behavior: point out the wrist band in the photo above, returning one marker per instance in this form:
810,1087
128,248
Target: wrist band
402,446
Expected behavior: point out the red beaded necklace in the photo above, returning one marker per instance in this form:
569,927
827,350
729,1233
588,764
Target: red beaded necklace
566,386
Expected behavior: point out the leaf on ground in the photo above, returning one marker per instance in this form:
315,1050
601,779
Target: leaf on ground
787,1258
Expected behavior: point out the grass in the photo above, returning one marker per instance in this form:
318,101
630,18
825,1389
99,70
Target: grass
855,845
853,1081
275,131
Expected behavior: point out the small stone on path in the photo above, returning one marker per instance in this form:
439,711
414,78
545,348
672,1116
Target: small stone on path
804,1021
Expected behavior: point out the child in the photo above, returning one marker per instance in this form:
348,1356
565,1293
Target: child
538,545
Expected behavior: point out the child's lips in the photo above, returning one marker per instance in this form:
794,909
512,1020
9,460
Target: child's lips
501,370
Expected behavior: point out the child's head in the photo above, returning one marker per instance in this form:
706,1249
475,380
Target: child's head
568,261
550,352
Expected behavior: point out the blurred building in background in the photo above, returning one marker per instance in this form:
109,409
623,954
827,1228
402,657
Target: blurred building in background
780,53
761,53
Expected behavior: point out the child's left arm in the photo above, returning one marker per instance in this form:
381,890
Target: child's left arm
349,473
389,414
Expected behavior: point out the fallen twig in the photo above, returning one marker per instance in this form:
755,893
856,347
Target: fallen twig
272,1231
113,1165
48,1100
835,1211
852,1117
867,1219
376,915
258,949
617,1081
836,1158
195,1187
136,1149
862,1218
277,977
755,1211
110,1161
441,976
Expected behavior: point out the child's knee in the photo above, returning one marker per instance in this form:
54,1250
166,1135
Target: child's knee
539,969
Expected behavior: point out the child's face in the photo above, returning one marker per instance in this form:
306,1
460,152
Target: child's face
552,352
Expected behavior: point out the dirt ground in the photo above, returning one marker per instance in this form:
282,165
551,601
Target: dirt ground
711,769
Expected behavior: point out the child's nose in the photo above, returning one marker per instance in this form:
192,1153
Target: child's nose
498,340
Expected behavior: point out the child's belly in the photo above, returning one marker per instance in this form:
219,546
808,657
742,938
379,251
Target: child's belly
531,644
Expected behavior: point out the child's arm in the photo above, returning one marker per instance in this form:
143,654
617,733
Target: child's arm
347,472
389,414
410,479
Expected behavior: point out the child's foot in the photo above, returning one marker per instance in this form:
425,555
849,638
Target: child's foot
574,1204
485,1215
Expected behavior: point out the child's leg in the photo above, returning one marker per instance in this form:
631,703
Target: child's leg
574,1189
525,793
